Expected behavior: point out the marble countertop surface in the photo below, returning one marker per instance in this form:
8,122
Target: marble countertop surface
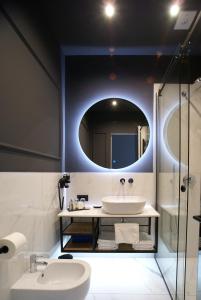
149,211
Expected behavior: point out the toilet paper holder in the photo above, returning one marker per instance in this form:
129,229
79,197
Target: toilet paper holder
4,249
11,245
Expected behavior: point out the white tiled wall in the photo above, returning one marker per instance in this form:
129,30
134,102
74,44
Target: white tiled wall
29,204
98,185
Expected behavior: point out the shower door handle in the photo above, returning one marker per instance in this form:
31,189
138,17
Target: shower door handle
183,188
187,180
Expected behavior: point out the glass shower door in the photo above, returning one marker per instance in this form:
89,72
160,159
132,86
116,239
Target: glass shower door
183,190
172,185
189,197
168,175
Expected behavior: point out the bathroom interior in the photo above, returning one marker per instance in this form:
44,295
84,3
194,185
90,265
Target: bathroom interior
100,144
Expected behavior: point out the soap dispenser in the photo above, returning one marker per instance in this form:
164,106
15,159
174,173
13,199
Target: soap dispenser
70,205
82,200
75,205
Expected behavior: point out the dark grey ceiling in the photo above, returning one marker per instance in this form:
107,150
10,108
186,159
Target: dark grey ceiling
137,22
140,24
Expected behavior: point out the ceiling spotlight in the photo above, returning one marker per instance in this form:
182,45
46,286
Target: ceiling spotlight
114,103
109,10
174,10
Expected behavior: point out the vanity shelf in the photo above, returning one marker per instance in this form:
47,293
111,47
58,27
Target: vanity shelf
90,230
78,228
87,232
76,246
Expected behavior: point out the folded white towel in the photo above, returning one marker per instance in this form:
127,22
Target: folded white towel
142,248
106,245
145,242
107,248
106,242
127,233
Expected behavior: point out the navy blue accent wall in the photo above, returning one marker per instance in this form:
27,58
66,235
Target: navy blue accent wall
92,78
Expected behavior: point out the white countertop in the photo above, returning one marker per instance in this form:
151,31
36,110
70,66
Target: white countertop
149,211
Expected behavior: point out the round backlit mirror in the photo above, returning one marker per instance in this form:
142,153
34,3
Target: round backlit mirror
114,133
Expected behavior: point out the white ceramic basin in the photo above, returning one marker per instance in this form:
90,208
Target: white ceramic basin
60,280
123,205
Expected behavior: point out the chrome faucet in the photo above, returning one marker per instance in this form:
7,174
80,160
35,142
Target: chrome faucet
34,263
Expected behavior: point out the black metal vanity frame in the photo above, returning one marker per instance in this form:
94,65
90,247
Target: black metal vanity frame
92,228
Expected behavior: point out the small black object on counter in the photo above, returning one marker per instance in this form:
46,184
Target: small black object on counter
65,256
77,209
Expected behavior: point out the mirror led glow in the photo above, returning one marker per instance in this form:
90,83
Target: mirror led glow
94,167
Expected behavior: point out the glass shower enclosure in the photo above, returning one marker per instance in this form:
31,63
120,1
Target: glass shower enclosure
177,182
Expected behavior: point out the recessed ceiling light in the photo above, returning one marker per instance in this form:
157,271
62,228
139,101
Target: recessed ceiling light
114,103
109,10
174,10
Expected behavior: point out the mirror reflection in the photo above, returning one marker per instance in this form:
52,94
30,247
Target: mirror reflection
172,136
114,133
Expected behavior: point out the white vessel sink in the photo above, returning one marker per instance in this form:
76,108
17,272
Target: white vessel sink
123,205
60,280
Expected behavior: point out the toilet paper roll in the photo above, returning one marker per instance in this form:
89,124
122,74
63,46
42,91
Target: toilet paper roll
14,241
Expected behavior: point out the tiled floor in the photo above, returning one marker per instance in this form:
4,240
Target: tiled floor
125,297
125,279
117,277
